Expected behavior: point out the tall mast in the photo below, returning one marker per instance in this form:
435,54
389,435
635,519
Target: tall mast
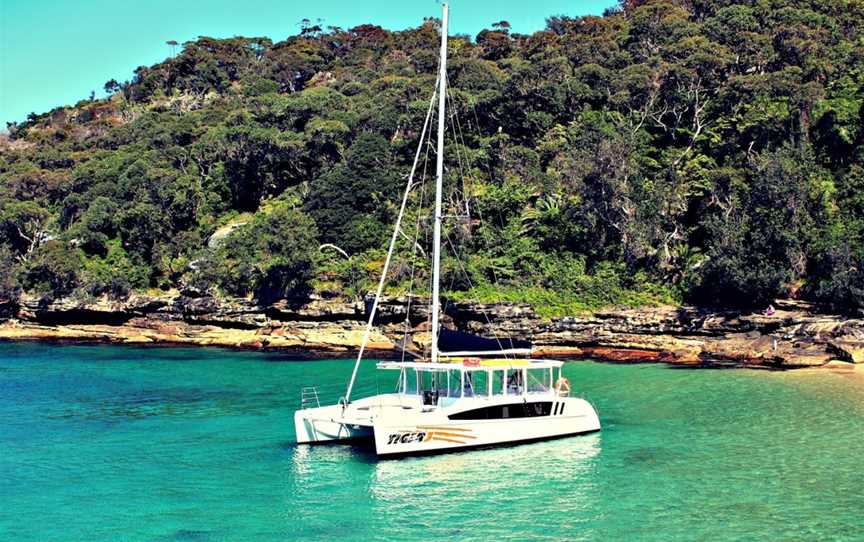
439,183
396,229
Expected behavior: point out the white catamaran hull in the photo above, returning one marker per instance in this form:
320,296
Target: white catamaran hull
438,433
400,428
330,423
326,424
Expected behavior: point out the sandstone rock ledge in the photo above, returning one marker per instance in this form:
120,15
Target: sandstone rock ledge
796,336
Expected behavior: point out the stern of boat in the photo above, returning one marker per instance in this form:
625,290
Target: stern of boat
327,424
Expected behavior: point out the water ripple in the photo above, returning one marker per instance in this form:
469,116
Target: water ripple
102,443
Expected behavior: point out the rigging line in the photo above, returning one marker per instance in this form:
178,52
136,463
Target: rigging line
422,199
471,287
460,135
427,232
405,236
457,191
477,123
419,221
393,240
460,172
465,175
410,289
454,120
420,205
453,113
457,131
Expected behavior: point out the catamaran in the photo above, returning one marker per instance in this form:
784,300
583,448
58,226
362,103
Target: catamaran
471,391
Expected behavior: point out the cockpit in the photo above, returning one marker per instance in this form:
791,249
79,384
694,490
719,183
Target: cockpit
440,384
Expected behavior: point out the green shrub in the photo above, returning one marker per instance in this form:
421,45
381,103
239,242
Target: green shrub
270,257
54,270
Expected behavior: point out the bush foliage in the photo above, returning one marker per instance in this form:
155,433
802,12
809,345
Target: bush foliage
669,150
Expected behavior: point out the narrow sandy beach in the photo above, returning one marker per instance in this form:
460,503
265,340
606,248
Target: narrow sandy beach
852,371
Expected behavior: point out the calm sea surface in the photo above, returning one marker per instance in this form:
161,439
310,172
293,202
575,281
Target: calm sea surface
115,443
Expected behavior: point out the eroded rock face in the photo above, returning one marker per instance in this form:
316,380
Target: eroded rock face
8,309
795,336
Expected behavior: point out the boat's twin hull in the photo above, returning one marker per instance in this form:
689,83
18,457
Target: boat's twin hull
406,432
393,439
327,424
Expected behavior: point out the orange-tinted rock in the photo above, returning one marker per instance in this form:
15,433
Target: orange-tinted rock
622,355
793,337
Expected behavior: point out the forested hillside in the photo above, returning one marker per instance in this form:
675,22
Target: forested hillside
707,151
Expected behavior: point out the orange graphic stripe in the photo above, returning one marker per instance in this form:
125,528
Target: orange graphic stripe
448,434
436,437
443,428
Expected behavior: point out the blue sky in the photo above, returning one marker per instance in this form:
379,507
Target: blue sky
54,52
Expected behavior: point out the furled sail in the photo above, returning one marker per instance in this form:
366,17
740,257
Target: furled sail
459,343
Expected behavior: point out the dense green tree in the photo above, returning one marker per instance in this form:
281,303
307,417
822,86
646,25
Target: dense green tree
670,149
270,257
54,269
113,274
753,256
10,285
22,225
349,203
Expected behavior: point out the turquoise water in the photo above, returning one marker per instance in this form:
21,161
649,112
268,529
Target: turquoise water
115,443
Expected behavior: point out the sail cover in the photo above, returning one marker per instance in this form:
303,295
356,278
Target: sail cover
459,343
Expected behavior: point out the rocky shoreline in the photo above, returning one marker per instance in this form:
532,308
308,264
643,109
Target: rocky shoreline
795,336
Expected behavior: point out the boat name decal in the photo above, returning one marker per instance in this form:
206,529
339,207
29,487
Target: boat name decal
405,437
424,434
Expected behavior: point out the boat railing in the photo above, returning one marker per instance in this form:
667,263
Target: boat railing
309,398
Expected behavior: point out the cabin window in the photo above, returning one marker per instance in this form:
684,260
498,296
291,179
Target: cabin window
454,383
434,381
514,382
497,383
409,381
433,385
476,384
543,408
500,412
440,378
539,380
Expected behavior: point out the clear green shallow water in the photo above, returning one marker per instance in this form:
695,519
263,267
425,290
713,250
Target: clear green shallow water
111,443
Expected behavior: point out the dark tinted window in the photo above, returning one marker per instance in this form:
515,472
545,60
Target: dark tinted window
498,412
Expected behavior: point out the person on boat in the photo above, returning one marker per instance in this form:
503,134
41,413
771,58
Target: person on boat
468,390
562,386
515,382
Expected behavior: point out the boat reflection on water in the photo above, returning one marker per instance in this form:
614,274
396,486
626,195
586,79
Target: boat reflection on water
547,462
574,451
556,473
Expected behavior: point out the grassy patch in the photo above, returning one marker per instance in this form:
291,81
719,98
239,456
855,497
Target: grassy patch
583,294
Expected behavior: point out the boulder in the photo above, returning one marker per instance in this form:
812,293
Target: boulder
848,349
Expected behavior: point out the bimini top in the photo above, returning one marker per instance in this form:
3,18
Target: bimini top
473,364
